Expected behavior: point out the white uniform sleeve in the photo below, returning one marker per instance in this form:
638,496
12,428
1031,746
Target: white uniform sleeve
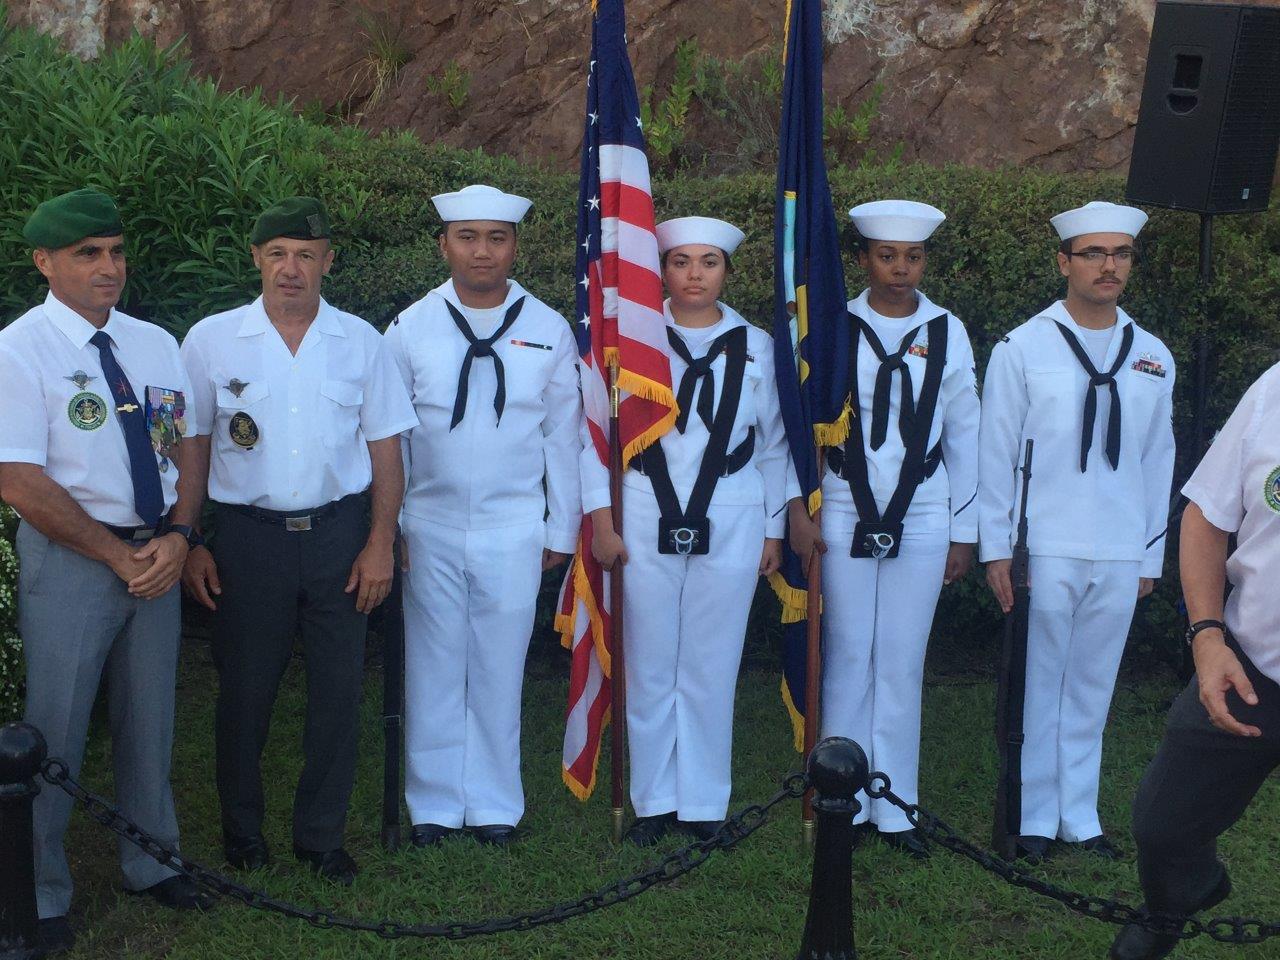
386,410
772,456
561,447
1004,410
393,343
593,472
960,423
203,396
24,424
1157,478
1217,486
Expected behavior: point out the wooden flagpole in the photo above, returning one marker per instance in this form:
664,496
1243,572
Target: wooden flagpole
617,658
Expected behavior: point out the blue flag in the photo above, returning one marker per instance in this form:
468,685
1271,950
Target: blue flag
810,326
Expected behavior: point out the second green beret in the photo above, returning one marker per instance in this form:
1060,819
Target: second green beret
298,218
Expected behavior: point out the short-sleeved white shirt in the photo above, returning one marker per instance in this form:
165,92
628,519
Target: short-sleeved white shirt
57,410
1237,487
302,421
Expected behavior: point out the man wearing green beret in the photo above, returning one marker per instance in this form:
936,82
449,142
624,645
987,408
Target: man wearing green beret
94,406
299,411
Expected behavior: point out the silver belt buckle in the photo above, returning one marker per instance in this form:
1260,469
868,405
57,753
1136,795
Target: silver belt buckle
297,524
684,539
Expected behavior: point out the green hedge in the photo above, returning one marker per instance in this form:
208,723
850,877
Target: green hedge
10,646
191,168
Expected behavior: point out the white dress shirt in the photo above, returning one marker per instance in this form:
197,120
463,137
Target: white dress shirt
315,412
46,364
764,480
1035,389
487,473
1237,487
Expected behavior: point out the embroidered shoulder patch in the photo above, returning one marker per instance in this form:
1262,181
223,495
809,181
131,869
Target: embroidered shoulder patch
1271,490
1149,364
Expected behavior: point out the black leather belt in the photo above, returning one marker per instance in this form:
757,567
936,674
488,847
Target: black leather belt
135,534
295,521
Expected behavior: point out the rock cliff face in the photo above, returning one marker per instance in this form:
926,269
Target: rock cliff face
1053,83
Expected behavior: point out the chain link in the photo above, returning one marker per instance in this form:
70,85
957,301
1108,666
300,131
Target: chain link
676,864
1235,930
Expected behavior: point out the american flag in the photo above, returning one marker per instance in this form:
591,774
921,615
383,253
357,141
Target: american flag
619,319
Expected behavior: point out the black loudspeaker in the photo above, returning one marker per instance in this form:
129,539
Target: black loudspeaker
1209,125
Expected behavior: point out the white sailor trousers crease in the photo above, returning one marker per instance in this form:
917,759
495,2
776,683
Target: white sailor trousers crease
876,620
1080,616
685,622
468,607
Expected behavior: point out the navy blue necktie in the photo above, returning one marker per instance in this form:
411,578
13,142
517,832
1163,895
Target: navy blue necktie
148,498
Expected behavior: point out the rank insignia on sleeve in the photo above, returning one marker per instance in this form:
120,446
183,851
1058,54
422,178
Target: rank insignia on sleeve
80,379
87,411
244,432
236,387
1149,364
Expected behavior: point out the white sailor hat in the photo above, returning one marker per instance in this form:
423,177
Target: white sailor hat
1099,216
481,202
896,221
708,230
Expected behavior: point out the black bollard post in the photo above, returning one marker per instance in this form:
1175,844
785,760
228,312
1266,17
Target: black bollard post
838,771
22,750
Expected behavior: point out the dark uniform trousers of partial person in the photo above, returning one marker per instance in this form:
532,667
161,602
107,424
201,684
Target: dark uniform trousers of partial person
1198,785
277,583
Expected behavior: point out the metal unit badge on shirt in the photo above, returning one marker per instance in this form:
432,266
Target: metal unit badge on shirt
243,431
87,411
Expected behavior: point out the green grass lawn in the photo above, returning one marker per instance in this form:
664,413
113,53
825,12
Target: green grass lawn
747,904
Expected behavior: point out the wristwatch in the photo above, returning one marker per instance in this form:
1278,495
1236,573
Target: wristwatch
190,534
1204,625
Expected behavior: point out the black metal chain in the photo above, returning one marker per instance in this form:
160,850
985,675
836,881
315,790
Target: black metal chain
733,831
1237,930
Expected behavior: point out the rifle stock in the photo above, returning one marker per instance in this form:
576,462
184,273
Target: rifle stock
1011,690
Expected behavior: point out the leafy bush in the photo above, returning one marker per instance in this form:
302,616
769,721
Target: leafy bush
190,167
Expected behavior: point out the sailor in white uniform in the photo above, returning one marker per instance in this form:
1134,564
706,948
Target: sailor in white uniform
493,375
899,515
1095,392
704,511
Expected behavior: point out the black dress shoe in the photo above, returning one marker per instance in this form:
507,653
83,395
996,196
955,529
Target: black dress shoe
430,834
246,853
177,893
646,831
496,834
1138,943
700,829
910,842
54,935
1100,846
1032,850
334,865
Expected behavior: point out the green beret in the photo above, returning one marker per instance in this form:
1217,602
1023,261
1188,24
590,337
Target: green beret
73,216
298,218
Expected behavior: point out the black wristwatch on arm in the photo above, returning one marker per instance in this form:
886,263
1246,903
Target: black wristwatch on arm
1200,625
190,534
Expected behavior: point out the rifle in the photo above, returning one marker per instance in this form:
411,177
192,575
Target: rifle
1011,691
392,630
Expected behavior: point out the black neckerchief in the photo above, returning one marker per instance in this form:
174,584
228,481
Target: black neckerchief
481,348
1097,379
889,363
697,369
